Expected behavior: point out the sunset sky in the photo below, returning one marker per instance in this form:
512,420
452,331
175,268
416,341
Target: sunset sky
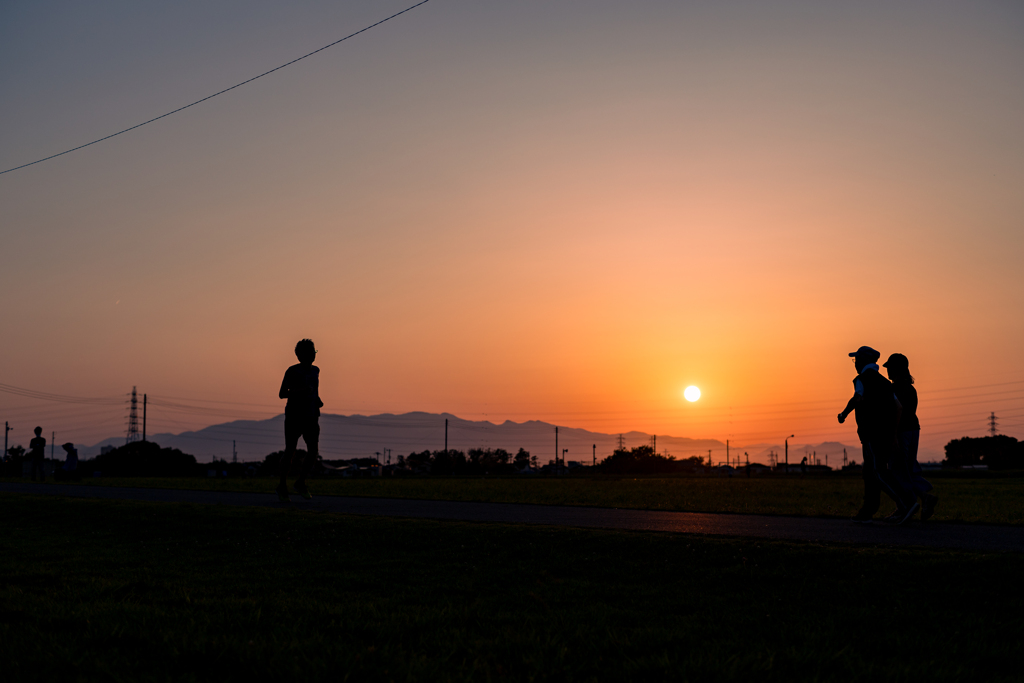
564,211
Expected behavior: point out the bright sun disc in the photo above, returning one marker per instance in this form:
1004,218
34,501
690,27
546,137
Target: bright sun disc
691,394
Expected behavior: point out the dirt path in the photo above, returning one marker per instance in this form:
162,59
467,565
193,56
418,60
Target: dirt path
932,535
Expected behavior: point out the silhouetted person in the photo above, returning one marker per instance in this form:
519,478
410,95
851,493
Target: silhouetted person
878,412
69,470
301,386
908,431
37,453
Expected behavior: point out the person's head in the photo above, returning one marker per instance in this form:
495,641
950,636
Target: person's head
69,447
864,356
898,368
305,351
38,430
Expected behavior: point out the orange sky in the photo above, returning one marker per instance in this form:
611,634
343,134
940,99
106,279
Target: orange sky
518,211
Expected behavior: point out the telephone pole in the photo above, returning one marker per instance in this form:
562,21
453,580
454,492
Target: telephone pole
595,455
556,448
53,439
234,452
7,428
727,452
992,424
787,452
144,421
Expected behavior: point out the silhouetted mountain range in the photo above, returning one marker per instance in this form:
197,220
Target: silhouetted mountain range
351,436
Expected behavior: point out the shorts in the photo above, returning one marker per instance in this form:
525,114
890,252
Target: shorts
307,428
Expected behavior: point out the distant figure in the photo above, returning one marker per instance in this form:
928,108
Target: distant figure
908,431
69,470
37,453
803,465
878,411
301,386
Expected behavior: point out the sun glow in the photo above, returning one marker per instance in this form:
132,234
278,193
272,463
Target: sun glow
691,393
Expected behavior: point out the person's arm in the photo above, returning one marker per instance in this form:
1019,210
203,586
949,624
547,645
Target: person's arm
850,405
284,387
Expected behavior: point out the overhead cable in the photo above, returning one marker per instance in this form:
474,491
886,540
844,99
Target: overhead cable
208,97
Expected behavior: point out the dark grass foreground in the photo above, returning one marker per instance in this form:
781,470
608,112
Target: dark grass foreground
134,591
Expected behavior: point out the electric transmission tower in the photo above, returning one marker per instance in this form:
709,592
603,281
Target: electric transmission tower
133,419
992,424
622,443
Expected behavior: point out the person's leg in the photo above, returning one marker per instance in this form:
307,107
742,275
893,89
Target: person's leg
292,431
909,440
890,467
311,435
872,489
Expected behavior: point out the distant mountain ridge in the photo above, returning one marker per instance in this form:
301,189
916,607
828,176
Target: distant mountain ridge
352,436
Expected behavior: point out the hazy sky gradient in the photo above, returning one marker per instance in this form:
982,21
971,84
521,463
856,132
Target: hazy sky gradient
564,211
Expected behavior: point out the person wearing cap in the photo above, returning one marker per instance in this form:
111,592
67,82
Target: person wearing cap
877,410
69,470
908,431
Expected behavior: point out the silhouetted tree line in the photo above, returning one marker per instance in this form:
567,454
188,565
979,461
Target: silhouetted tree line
999,452
643,460
141,459
474,461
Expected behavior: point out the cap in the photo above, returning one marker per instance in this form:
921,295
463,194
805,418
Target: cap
897,360
866,352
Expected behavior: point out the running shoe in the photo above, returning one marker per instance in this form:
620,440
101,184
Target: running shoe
300,488
895,518
282,493
861,517
928,503
907,514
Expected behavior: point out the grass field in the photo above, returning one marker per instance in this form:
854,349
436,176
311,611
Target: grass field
135,591
992,501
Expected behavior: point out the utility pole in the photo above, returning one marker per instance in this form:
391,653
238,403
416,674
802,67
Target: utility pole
787,452
844,457
564,451
748,463
992,424
709,458
446,435
53,439
727,452
556,448
654,443
144,422
7,428
595,455
234,452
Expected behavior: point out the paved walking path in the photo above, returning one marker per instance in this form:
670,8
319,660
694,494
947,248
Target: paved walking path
928,534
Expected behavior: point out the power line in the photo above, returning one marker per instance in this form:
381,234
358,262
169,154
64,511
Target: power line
208,97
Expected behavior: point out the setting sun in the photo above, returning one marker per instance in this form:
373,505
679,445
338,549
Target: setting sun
691,393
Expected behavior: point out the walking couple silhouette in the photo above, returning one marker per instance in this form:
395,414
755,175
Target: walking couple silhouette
889,431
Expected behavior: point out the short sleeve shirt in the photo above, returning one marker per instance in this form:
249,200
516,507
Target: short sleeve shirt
301,385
